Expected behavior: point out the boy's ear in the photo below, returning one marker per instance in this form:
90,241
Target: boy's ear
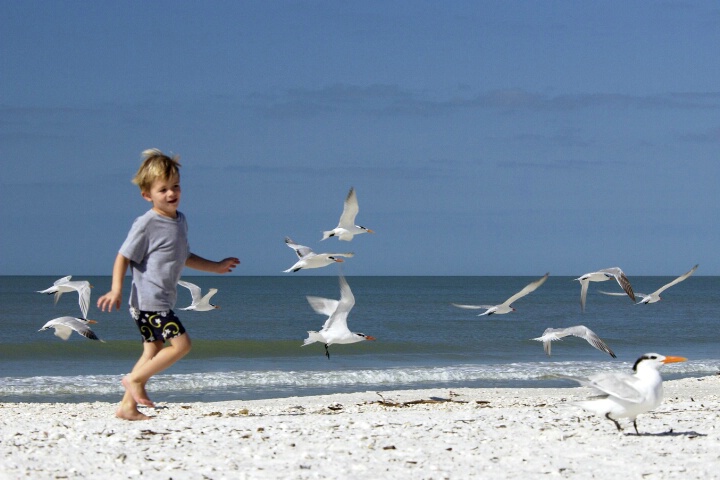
146,196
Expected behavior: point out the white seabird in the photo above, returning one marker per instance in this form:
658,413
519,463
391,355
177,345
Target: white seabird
552,334
335,329
64,285
506,307
655,296
199,303
310,259
627,396
346,228
64,326
601,276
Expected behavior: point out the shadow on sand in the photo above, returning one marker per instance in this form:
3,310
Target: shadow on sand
669,433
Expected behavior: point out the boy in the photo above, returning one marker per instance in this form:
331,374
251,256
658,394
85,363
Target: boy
156,250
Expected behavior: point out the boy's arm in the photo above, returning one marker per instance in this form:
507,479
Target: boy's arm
114,296
223,266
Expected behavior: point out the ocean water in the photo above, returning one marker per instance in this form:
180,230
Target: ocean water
250,348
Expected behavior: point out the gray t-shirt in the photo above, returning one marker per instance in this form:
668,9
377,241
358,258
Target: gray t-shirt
157,248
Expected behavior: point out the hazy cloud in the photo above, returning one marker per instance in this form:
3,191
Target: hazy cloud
394,100
708,136
418,171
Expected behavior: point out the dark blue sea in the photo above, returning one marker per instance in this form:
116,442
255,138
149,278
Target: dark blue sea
250,348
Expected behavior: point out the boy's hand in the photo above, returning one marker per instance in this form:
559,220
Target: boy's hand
227,265
108,300
223,266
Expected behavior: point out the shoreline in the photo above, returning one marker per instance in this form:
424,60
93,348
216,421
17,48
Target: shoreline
430,433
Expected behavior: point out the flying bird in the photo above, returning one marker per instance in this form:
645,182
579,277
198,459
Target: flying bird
199,303
624,395
601,276
335,329
506,307
552,334
655,296
64,326
310,259
64,285
346,228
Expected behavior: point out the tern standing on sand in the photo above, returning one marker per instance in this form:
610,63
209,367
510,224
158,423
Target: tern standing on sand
627,396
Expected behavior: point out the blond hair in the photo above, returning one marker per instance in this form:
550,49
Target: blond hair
155,165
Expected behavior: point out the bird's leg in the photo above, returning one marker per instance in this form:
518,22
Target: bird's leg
607,415
327,352
635,425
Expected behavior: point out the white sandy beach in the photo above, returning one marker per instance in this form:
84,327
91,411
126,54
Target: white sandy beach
414,434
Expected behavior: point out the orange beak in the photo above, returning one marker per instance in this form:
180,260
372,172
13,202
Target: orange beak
90,321
674,359
368,337
339,260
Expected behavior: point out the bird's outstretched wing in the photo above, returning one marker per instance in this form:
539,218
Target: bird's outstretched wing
301,250
350,210
529,288
195,291
676,281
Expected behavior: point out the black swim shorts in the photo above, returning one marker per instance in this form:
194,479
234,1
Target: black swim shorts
155,326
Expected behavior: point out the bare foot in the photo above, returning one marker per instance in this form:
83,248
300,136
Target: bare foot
128,412
137,391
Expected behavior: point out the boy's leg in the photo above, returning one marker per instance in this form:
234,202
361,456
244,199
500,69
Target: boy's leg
164,357
128,405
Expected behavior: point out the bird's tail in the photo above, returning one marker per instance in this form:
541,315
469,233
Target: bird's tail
582,381
312,338
595,405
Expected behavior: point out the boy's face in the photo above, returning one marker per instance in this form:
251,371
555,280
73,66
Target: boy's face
164,194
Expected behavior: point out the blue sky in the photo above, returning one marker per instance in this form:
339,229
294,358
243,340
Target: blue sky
483,138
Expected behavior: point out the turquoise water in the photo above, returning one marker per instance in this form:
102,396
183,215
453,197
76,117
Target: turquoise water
251,347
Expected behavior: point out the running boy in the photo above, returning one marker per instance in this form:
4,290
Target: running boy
156,250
